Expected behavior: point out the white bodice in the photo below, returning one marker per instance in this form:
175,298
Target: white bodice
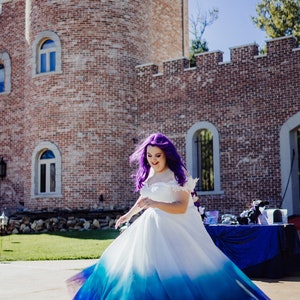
165,191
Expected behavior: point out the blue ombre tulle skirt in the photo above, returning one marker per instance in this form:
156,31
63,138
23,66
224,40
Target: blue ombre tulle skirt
161,256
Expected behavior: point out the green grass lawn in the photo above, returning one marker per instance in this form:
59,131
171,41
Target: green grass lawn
56,246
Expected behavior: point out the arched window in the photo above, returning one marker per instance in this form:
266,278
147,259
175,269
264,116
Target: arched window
203,157
1,78
204,160
46,171
47,56
47,53
5,72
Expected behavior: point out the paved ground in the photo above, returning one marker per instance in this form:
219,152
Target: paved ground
45,280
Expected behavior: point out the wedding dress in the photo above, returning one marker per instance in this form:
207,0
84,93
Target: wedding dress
165,256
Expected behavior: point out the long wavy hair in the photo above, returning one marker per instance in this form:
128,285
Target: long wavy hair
173,159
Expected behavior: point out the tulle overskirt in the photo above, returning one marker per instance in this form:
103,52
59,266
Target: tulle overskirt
161,256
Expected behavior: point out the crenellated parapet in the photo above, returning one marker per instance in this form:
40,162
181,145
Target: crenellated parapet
146,70
279,48
175,66
208,59
243,53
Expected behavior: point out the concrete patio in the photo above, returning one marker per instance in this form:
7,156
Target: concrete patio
35,280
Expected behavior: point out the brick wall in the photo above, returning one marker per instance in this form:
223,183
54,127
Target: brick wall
100,101
247,100
12,42
88,110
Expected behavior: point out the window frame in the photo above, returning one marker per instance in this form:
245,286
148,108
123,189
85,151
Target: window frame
204,150
37,51
5,60
47,163
191,157
2,70
47,53
36,171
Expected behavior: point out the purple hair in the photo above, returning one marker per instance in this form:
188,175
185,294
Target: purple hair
173,159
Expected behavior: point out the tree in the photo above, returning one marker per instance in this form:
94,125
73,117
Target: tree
279,18
198,24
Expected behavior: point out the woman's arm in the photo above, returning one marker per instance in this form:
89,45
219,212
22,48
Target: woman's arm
179,206
126,218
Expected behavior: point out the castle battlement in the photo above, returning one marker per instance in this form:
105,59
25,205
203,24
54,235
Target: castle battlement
277,49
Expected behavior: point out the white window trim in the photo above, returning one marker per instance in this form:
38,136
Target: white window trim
35,170
191,152
287,143
39,40
5,60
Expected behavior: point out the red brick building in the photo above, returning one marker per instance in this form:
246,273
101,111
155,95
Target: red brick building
83,80
249,106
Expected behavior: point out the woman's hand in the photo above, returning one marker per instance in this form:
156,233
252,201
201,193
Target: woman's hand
145,203
126,218
123,219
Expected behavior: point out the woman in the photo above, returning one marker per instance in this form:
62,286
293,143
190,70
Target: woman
166,253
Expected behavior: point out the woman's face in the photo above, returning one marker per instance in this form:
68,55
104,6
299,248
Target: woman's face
156,159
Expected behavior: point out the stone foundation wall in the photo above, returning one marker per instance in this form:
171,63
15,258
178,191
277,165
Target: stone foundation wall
62,221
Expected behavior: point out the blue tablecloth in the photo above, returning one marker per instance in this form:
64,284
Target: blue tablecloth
260,251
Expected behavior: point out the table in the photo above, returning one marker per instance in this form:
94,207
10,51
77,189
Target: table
271,251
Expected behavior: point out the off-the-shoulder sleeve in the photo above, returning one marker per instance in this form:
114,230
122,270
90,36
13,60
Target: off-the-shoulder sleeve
189,186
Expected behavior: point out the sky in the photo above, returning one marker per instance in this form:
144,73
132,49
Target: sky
233,27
